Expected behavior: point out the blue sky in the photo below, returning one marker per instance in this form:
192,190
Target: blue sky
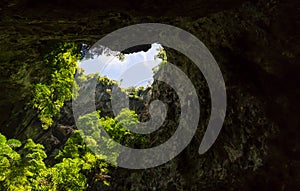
135,70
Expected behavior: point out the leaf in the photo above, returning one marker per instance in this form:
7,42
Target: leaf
14,143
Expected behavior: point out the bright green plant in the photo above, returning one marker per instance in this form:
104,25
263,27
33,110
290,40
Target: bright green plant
8,156
25,170
49,96
78,152
104,80
161,55
93,128
132,92
117,128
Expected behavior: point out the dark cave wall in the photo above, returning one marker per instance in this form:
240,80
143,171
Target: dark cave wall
256,45
136,8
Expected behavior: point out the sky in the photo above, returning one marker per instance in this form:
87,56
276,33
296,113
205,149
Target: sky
135,70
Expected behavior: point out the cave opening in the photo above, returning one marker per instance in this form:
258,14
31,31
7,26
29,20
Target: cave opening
133,67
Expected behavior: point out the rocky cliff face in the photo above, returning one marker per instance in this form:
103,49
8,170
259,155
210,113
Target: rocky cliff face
256,45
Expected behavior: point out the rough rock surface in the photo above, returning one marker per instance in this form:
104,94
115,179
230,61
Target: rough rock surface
256,44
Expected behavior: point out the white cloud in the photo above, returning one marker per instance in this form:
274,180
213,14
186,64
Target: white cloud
135,70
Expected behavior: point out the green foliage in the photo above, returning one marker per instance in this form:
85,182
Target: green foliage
95,127
27,171
22,171
140,90
79,160
49,96
106,81
133,92
79,152
84,145
127,118
73,148
121,56
8,157
117,128
161,55
67,175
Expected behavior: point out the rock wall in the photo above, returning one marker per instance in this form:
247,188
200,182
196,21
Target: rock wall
256,45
